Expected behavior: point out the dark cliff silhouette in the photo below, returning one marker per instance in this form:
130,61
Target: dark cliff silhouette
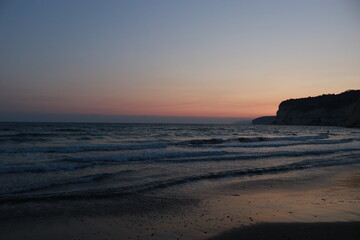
266,120
326,110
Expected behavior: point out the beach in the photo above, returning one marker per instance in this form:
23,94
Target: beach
314,206
179,182
179,120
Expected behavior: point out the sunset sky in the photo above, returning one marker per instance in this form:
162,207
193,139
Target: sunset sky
188,58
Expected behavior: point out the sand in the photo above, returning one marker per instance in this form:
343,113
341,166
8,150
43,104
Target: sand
318,204
295,231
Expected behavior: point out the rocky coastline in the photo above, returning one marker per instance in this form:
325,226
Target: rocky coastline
326,110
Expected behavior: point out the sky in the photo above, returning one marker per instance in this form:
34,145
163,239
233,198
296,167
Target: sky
169,59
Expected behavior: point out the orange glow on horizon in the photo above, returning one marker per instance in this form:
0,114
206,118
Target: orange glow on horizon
176,109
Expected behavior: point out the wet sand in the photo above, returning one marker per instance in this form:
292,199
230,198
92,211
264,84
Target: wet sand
295,231
318,204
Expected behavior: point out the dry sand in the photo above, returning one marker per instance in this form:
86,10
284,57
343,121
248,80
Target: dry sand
319,204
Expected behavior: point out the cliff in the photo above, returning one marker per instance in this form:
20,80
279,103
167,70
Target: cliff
327,110
267,120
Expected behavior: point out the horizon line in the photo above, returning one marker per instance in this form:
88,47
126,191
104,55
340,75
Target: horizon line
102,118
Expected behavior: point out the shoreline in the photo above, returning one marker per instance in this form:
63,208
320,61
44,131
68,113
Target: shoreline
306,200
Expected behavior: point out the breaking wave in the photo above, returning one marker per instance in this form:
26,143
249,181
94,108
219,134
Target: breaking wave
20,193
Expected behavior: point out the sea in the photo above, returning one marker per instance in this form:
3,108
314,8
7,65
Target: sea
91,160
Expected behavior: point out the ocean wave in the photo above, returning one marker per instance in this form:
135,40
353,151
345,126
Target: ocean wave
217,142
234,156
81,148
26,193
205,156
77,180
205,141
69,130
306,164
149,156
296,138
286,144
27,135
73,163
43,167
211,141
